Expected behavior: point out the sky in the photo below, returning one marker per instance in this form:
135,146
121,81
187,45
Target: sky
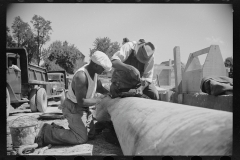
192,27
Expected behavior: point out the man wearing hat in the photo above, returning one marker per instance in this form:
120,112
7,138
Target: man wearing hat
125,40
83,86
133,65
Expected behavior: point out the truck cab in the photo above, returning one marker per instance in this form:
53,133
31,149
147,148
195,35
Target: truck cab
61,85
13,72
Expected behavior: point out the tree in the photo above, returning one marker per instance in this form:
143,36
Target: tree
9,40
42,30
106,46
22,33
30,45
63,54
19,29
51,65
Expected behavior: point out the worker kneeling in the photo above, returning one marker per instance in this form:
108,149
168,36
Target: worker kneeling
76,107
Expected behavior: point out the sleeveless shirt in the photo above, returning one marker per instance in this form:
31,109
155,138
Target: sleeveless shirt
92,86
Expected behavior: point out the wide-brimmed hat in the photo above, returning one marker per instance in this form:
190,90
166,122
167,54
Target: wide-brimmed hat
144,51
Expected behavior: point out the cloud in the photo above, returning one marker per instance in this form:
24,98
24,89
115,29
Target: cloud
213,40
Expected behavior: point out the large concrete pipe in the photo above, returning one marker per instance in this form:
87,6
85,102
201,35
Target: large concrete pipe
149,127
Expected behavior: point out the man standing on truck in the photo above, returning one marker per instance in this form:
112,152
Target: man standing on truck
133,65
83,86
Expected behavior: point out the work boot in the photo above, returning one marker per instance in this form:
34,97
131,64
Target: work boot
40,135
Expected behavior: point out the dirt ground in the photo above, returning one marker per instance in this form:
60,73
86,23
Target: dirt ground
98,146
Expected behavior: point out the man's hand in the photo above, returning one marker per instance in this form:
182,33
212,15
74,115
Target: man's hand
91,101
137,91
94,101
144,84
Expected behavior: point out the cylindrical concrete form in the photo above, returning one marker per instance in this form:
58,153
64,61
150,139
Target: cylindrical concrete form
149,127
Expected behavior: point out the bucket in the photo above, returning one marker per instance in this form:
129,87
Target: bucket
23,132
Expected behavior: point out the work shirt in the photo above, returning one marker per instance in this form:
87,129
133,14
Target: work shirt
92,86
123,55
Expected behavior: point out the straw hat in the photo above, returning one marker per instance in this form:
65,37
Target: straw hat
144,51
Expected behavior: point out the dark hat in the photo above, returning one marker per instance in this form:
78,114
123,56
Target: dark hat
144,51
125,40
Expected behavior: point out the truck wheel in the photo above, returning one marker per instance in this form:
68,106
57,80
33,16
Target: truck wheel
32,100
41,100
7,102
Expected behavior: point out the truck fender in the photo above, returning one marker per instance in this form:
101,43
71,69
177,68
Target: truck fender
13,98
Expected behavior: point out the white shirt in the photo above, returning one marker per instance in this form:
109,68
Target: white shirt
125,52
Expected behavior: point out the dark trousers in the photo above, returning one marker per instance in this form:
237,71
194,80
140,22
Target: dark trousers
81,126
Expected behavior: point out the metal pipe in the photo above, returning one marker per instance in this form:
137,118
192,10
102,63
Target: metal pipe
150,127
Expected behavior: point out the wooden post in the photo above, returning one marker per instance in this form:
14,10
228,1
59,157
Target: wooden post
177,69
178,73
150,127
169,71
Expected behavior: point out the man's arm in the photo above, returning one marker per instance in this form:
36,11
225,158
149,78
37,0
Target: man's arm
94,101
120,56
148,71
147,77
100,88
116,63
79,86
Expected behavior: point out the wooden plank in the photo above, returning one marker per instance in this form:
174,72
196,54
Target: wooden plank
169,72
163,67
201,52
150,127
192,75
177,69
82,149
158,80
41,82
191,81
214,64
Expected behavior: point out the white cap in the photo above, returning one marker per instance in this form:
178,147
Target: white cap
102,59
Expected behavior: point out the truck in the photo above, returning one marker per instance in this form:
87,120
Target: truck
58,88
28,83
61,78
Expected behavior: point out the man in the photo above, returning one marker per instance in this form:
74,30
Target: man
125,40
11,65
76,107
133,65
